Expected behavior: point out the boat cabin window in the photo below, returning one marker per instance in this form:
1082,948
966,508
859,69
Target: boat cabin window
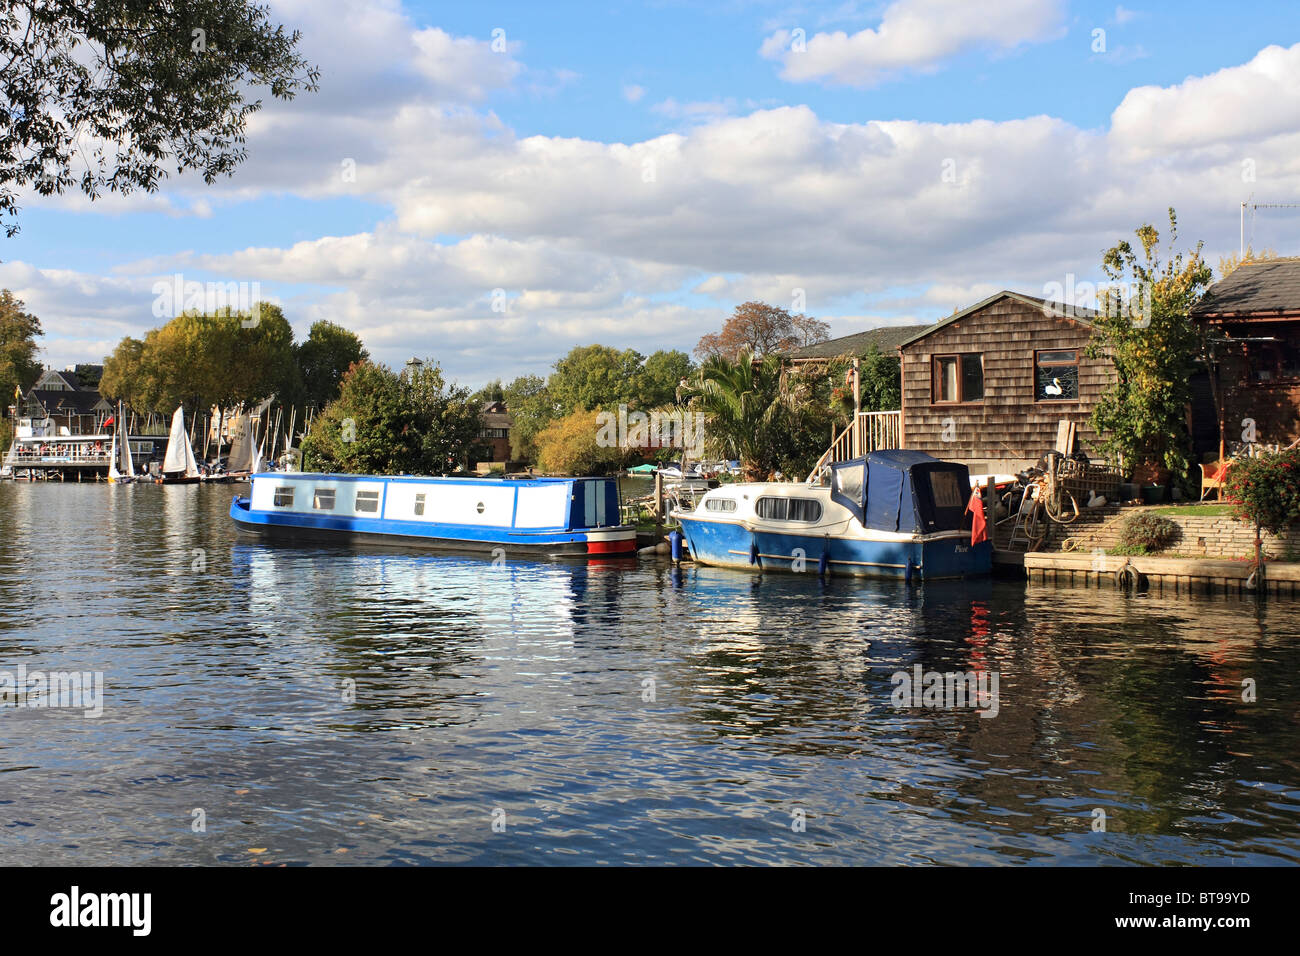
720,504
419,504
947,490
323,500
284,496
368,501
788,509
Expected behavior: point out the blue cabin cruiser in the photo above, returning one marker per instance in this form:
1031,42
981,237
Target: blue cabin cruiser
894,513
538,516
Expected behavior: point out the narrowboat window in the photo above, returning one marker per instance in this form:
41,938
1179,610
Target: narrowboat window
419,504
720,504
323,500
957,378
284,496
946,488
368,501
1056,373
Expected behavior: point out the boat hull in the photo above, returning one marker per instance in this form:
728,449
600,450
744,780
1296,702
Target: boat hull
615,542
918,557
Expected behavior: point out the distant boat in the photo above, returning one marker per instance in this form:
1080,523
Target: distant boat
244,458
179,466
121,470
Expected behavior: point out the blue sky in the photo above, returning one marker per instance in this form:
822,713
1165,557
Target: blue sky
627,174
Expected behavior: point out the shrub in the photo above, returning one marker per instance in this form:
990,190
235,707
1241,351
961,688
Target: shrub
1265,491
1144,533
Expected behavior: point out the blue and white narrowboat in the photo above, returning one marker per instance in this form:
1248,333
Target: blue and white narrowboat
894,513
538,516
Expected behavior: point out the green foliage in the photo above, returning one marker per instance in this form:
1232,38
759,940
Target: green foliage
531,409
493,391
1142,416
324,358
595,377
759,412
882,381
660,377
1144,532
1265,491
384,423
19,330
108,95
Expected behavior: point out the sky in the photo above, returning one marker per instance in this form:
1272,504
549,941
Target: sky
488,185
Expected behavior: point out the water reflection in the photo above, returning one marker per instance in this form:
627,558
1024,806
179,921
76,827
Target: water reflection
378,706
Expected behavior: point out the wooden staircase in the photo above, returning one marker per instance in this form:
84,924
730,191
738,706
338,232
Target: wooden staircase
868,432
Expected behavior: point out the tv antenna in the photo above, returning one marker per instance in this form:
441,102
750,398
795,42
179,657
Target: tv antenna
1254,207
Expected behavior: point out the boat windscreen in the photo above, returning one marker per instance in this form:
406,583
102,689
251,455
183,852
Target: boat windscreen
849,485
942,490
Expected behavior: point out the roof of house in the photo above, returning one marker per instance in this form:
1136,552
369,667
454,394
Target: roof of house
1077,313
1255,286
80,401
886,338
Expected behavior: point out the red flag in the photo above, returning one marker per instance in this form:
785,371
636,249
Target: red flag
108,421
978,529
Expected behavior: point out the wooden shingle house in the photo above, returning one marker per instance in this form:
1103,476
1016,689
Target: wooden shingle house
990,384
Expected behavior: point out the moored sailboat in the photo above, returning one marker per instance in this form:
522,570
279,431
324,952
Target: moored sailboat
121,470
179,466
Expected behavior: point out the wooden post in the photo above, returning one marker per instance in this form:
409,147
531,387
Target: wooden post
659,507
857,409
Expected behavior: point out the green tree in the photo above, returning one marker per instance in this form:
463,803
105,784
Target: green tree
595,377
660,377
493,391
1153,345
19,367
123,378
384,423
104,96
324,358
882,381
531,408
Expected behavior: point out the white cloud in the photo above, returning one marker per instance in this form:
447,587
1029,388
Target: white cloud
633,93
912,35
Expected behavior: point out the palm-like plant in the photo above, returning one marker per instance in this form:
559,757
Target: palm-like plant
751,406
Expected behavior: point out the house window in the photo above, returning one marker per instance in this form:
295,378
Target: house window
957,378
284,496
419,504
1056,373
323,500
720,504
788,509
368,501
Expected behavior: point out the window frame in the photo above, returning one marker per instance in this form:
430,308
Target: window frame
370,496
279,493
815,501
1078,355
961,398
725,505
316,495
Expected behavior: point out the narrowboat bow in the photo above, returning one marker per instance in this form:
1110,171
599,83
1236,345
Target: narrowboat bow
894,513
537,516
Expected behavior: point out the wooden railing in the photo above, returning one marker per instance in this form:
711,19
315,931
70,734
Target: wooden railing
868,432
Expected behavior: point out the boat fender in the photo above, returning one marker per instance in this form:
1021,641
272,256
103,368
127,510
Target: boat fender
907,573
675,544
753,554
824,563
1129,578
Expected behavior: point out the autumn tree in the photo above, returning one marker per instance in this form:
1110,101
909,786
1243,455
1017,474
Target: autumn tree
105,96
19,367
761,329
571,446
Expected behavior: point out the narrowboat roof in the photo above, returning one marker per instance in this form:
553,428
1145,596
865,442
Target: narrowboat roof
450,479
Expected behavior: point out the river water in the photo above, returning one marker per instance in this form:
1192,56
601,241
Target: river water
267,705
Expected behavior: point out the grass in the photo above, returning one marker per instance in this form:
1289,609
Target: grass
1186,511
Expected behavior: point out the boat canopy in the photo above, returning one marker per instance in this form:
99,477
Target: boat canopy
901,490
